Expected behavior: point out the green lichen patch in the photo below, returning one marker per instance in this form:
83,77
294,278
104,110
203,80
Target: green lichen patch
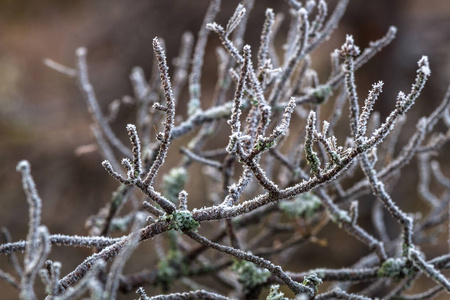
303,206
249,274
274,294
322,92
312,281
340,217
169,269
173,183
396,268
181,221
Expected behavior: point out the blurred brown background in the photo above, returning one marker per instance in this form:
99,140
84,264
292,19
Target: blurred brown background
43,117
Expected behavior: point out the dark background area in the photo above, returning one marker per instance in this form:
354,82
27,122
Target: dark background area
43,117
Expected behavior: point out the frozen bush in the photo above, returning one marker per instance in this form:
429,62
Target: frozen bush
268,172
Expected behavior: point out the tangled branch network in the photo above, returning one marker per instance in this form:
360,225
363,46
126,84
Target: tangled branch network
295,182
